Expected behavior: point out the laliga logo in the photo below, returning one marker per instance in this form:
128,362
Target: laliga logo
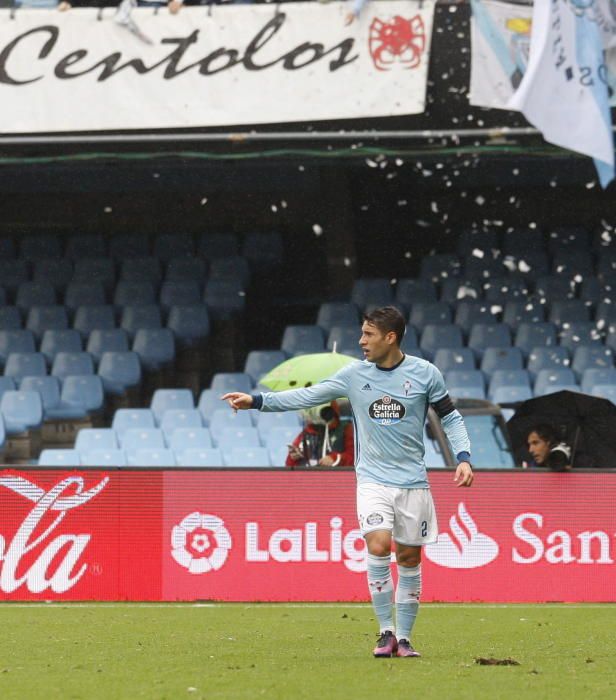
36,577
201,543
469,550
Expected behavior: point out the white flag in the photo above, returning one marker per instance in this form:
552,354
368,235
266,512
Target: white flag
564,91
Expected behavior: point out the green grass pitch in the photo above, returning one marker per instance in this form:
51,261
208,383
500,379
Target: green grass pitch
314,652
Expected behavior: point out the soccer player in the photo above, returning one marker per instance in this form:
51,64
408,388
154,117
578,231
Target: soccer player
389,393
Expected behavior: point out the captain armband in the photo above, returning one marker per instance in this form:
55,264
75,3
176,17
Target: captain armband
444,406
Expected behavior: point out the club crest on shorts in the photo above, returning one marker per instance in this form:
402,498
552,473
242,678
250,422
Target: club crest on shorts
374,519
386,411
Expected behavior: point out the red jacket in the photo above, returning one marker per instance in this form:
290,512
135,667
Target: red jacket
341,437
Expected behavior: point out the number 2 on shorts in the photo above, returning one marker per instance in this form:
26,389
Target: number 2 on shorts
424,528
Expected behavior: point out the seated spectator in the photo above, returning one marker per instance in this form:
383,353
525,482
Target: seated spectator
547,450
325,441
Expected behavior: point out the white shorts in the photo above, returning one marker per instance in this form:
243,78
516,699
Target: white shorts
407,513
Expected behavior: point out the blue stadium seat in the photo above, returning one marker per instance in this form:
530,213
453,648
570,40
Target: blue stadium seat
486,335
46,318
90,245
606,310
440,267
10,318
34,294
131,293
591,357
3,300
302,338
151,457
80,396
95,270
232,267
605,391
13,273
569,311
55,341
7,248
25,364
142,438
342,337
456,289
96,439
225,298
336,314
468,313
260,362
606,265
484,267
101,341
554,288
501,290
231,437
516,313
263,250
180,293
182,269
66,364
574,335
15,341
189,438
176,418
594,376
223,382
129,245
410,339
501,358
510,394
423,313
84,294
132,418
103,458
593,291
59,458
277,441
410,291
48,389
266,422
547,357
534,335
610,340
173,245
119,371
21,411
91,318
373,307
209,402
551,380
447,359
377,290
415,352
568,237
218,245
221,418
58,272
166,399
490,448
155,347
435,337
135,318
527,240
246,457
200,457
433,456
529,265
570,263
508,378
190,324
39,245
472,239
142,269
466,384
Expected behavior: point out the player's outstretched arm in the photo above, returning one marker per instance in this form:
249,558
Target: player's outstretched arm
238,401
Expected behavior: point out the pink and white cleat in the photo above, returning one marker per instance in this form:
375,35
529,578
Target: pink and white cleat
405,649
386,645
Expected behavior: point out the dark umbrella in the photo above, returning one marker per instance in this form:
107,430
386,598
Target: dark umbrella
586,423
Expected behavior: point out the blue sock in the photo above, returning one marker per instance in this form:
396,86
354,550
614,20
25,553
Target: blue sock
407,600
381,589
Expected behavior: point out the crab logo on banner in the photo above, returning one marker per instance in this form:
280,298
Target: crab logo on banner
397,41
200,543
47,570
469,550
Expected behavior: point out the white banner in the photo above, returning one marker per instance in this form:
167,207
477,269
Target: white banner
240,65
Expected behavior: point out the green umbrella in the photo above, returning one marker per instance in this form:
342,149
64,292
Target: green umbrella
305,370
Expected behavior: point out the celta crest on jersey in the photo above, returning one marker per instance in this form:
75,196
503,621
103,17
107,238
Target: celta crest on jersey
386,411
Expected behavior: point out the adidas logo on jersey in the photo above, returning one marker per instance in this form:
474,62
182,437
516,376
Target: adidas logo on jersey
366,387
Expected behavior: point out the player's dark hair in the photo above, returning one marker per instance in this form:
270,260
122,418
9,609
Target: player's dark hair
546,432
387,319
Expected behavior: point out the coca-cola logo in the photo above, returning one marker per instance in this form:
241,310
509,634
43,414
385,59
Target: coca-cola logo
45,570
200,543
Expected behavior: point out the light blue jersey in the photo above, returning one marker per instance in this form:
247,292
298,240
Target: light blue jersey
389,413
